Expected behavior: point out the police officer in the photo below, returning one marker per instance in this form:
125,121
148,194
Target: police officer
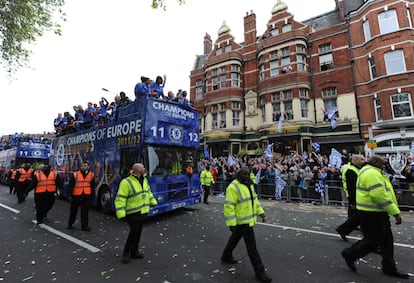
206,180
375,200
45,184
11,178
241,209
350,174
80,193
23,177
133,201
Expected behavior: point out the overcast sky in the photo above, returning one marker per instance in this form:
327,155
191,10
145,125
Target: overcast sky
112,43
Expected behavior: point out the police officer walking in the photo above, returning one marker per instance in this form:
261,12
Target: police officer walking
206,180
23,177
132,202
375,200
80,192
45,184
11,178
350,174
241,208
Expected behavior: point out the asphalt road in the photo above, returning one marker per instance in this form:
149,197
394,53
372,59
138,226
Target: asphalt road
297,244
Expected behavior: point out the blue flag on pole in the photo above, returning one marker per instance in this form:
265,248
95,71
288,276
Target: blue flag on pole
268,151
316,146
206,153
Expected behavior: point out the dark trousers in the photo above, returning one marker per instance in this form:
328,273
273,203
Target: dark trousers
376,228
206,193
247,233
84,202
135,222
351,223
44,202
21,191
11,186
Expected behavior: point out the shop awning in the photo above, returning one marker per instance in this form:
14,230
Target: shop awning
338,139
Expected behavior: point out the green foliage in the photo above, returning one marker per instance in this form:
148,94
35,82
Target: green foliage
258,151
161,4
21,23
242,152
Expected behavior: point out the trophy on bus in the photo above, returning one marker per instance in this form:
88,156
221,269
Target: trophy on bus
397,163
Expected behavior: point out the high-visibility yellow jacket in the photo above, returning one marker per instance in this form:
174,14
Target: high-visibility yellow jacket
239,207
132,197
344,169
375,192
206,178
252,177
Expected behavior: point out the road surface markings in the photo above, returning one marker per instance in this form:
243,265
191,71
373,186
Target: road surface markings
10,208
69,238
325,233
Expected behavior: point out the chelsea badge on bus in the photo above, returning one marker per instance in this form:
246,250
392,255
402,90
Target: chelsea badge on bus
176,134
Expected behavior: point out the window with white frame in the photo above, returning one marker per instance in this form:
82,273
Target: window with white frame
222,119
276,96
274,32
214,108
288,94
329,97
409,18
301,59
303,92
286,28
223,81
263,108
388,21
288,105
300,48
219,51
276,111
329,92
214,72
273,55
222,70
394,62
222,106
199,89
214,124
325,57
235,79
378,112
401,105
236,118
372,68
235,105
214,83
235,68
285,51
367,31
304,109
274,68
228,48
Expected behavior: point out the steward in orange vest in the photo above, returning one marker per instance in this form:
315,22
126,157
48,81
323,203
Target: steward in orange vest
80,192
45,183
11,177
23,177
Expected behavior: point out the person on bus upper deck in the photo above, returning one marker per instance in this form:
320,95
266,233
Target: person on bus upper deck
60,124
88,116
132,202
45,184
157,88
142,88
170,96
124,100
80,192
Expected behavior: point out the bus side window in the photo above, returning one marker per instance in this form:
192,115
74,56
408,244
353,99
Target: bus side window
128,158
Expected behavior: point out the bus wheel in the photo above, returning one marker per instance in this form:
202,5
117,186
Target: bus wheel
105,200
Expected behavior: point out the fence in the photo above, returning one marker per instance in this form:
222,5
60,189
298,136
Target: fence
332,195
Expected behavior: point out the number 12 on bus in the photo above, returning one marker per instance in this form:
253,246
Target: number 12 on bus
162,135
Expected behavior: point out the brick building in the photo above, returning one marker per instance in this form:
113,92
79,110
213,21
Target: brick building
350,65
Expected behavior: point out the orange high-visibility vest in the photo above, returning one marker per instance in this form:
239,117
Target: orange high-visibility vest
45,183
13,174
25,175
82,185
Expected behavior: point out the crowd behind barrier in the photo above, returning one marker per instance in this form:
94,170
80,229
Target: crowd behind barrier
296,178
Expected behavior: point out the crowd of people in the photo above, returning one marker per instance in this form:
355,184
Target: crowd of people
8,141
98,114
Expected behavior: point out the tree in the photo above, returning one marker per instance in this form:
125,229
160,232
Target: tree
161,3
21,23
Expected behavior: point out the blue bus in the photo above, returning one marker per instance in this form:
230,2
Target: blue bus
33,152
162,135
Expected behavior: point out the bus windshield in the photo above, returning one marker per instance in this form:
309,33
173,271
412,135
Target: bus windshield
163,160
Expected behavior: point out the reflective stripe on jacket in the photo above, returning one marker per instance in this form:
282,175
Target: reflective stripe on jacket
25,175
375,192
206,178
344,169
45,183
132,197
82,184
238,206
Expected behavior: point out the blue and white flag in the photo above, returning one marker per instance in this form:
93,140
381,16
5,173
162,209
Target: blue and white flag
280,186
316,146
332,116
206,153
279,124
335,159
305,155
268,151
258,175
230,160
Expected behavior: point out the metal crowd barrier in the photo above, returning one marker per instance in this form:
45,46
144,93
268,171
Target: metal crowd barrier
333,194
